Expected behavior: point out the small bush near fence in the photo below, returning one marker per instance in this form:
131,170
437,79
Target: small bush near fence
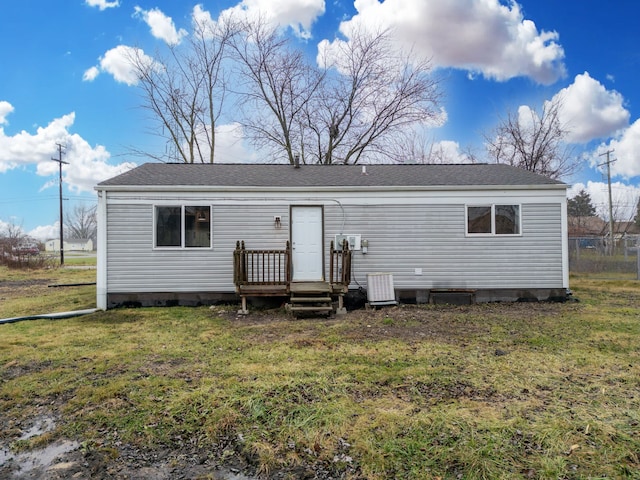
590,255
27,261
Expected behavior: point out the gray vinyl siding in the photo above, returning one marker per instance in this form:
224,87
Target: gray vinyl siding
135,266
401,238
432,238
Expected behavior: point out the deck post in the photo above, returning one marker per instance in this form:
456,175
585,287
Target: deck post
288,264
341,310
243,310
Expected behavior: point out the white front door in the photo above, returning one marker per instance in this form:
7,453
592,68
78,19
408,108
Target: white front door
306,243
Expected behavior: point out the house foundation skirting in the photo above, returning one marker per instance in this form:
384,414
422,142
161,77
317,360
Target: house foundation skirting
463,296
169,299
353,300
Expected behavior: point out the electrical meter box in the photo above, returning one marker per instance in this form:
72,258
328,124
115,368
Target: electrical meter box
353,239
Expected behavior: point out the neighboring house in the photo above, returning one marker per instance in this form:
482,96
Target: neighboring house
71,245
587,226
167,233
598,227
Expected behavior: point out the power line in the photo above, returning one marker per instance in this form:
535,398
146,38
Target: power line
22,200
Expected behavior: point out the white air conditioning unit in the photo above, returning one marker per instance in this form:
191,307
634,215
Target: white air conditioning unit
380,289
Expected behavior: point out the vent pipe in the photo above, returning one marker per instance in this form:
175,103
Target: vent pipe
364,170
296,161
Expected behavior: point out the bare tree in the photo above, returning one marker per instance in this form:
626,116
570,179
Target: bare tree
416,147
371,94
624,211
533,141
11,236
82,222
279,84
186,92
366,94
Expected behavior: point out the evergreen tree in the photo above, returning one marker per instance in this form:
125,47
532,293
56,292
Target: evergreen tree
580,205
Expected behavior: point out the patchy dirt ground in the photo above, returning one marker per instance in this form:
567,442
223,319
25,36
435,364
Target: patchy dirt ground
408,323
13,288
62,458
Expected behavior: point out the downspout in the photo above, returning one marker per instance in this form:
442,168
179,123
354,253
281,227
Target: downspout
101,257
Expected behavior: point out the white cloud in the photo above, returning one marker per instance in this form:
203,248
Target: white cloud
202,21
476,35
590,111
3,226
162,26
624,198
5,109
448,151
90,74
231,145
103,4
87,165
118,62
626,152
527,117
24,148
45,232
299,15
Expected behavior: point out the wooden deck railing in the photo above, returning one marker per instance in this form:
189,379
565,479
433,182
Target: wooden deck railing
261,267
340,265
273,267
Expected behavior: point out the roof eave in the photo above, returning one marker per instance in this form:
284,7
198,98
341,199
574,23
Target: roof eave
337,188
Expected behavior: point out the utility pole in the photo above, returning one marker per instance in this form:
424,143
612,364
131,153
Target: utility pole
60,162
608,164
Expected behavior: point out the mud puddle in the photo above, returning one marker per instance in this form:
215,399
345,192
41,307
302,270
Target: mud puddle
34,463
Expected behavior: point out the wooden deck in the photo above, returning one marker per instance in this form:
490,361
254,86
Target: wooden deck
260,273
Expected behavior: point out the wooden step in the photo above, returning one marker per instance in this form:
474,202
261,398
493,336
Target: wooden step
310,288
294,308
295,299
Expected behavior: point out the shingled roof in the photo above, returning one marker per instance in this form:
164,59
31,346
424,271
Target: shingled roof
284,175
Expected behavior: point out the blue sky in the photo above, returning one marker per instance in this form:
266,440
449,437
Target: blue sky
63,79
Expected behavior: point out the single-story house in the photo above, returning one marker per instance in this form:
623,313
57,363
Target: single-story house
202,233
70,245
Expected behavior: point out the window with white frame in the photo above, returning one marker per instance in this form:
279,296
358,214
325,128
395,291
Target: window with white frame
182,226
493,220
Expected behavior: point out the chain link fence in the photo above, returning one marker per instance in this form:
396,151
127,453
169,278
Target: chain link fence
594,256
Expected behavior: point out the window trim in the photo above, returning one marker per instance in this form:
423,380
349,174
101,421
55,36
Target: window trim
183,207
493,220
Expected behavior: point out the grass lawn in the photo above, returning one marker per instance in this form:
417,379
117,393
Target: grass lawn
34,292
490,391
